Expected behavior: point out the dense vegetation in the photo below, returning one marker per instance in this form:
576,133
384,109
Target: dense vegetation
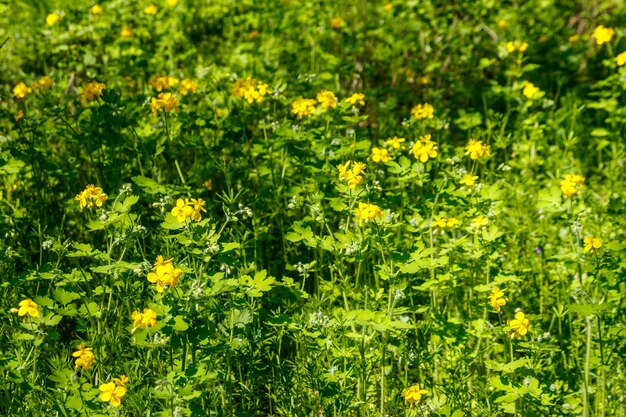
312,208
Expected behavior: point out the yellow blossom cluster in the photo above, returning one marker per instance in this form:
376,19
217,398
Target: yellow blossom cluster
303,107
189,209
571,184
479,221
96,9
52,18
337,22
188,86
354,174
21,90
477,149
395,142
43,83
84,357
327,99
529,90
496,298
126,32
145,319
355,99
516,46
519,325
424,149
163,82
592,244
27,307
164,274
113,392
423,111
366,212
380,155
445,223
250,90
92,91
602,35
413,394
165,101
91,196
468,180
620,60
152,10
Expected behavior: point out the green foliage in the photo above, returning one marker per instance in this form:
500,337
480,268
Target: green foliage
182,203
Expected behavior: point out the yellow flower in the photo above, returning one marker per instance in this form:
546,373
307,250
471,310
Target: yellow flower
452,223
188,86
52,18
172,3
477,149
353,175
518,46
337,22
574,38
592,244
519,325
502,24
126,32
423,111
602,35
480,221
112,393
303,107
439,222
43,83
529,90
165,101
84,357
413,394
96,9
327,99
366,212
27,307
424,149
496,298
468,180
162,83
152,10
380,155
571,184
356,98
92,91
388,7
444,223
19,115
21,90
620,60
198,208
91,196
250,90
183,210
164,274
145,319
395,142
121,381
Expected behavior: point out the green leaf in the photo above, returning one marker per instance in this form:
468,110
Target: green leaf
149,185
506,368
64,297
171,223
179,324
227,247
